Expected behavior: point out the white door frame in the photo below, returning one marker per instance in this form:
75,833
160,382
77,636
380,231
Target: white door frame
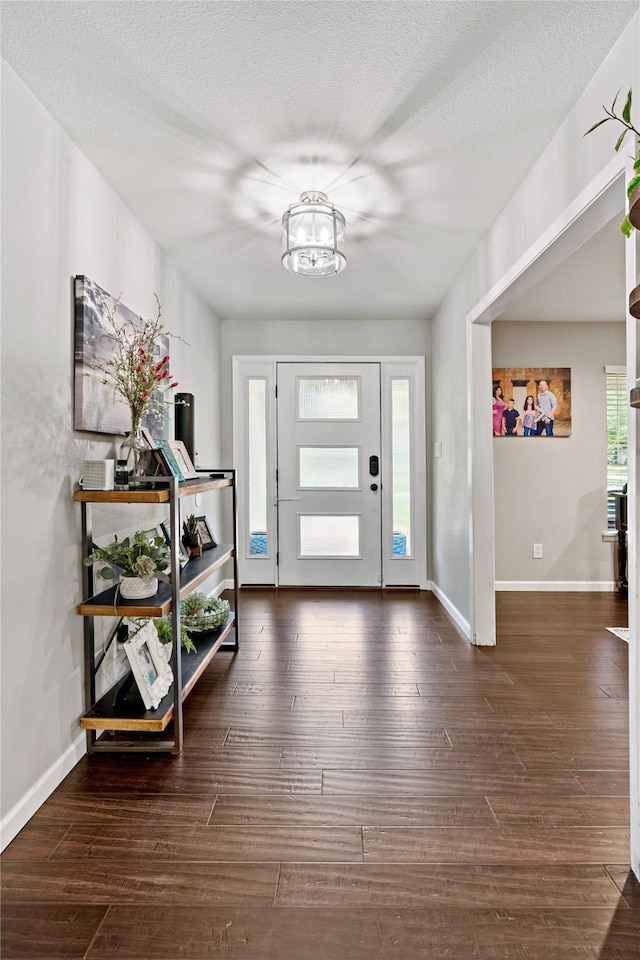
395,570
593,208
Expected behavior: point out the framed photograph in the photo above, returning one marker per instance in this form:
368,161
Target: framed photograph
168,458
96,406
183,459
182,553
531,401
206,536
149,666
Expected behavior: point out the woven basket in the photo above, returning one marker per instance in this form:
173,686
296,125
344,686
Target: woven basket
216,612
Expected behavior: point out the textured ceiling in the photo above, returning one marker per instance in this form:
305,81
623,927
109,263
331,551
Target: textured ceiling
209,118
590,284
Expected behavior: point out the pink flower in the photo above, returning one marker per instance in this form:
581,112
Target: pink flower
145,395
173,385
139,368
165,359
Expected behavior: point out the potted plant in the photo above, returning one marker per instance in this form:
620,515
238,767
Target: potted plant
165,634
142,561
633,187
202,614
132,363
191,537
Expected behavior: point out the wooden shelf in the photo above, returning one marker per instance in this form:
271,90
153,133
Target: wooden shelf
122,709
192,575
154,494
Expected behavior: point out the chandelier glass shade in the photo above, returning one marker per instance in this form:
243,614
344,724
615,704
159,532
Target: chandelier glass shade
313,234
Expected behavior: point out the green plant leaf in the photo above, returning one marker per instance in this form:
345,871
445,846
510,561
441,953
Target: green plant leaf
621,138
613,105
626,110
627,227
633,183
596,125
636,165
107,573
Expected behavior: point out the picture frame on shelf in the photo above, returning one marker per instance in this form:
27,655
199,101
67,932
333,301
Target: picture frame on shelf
168,459
182,458
182,553
151,672
206,536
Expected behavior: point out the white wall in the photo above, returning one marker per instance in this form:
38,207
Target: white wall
554,493
60,218
565,169
351,338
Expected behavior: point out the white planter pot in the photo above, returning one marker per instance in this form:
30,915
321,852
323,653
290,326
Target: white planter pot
138,588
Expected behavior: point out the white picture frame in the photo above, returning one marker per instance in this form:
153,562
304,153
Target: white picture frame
182,458
149,666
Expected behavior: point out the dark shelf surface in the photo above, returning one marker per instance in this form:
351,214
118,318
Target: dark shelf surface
191,576
121,708
155,492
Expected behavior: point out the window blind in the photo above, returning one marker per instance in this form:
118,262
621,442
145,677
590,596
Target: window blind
617,406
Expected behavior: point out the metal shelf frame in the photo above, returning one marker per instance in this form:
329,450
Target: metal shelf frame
160,490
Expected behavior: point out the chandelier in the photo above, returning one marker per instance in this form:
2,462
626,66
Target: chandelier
313,233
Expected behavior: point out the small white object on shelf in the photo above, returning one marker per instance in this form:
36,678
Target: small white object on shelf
97,475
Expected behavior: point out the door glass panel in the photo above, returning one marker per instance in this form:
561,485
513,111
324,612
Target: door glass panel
328,468
328,398
329,536
401,467
257,456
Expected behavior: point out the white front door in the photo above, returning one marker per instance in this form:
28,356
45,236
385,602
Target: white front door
328,481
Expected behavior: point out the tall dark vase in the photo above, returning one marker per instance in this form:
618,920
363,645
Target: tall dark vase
185,421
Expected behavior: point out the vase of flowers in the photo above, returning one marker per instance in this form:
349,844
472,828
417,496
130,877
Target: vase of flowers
139,372
141,560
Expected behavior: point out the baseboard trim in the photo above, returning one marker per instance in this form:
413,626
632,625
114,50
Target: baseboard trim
558,586
24,809
221,587
452,610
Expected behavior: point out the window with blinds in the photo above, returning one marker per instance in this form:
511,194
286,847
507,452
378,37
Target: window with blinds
617,406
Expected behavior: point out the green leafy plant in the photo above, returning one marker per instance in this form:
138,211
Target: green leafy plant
625,119
194,605
165,634
204,614
137,556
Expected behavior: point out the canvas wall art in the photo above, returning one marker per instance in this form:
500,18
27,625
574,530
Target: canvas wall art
531,402
97,407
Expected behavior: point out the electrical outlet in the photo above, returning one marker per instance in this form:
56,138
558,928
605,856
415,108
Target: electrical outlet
537,551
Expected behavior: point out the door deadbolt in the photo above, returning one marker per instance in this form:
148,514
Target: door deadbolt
374,487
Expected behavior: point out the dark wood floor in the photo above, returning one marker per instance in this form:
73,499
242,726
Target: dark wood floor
358,783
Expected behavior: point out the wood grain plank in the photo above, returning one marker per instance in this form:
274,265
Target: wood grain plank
459,885
494,844
604,783
557,934
38,931
213,843
566,812
130,807
162,882
239,933
355,810
36,841
454,783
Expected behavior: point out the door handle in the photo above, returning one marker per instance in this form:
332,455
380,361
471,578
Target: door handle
374,466
286,499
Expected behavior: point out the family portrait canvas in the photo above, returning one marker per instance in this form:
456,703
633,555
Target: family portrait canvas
531,402
97,406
